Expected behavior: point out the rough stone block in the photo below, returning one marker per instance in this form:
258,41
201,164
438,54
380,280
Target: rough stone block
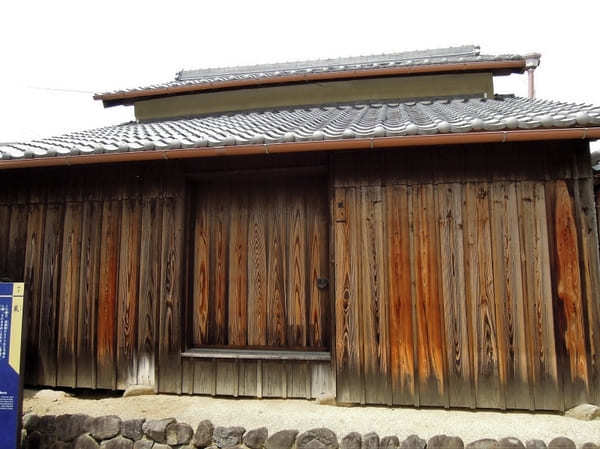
445,442
106,427
69,427
31,422
179,433
204,434
584,412
370,441
228,436
413,442
284,439
117,443
309,439
255,439
32,441
156,429
351,441
485,443
161,446
143,444
589,445
389,442
132,429
85,441
561,443
535,444
139,390
510,443
47,424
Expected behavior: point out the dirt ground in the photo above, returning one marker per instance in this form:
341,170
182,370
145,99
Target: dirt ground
278,414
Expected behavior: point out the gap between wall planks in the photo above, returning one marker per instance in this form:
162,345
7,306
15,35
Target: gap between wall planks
550,199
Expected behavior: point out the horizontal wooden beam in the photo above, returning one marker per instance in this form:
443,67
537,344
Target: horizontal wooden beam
256,354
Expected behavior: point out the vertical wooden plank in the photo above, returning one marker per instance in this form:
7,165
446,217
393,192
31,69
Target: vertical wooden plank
107,298
257,268
479,282
373,296
347,313
296,264
170,332
205,377
539,324
247,378
274,379
91,236
429,313
590,267
402,363
4,238
187,376
238,268
49,297
219,263
318,264
128,293
149,289
33,285
17,242
569,290
202,269
298,372
510,312
457,329
277,273
322,379
69,296
226,377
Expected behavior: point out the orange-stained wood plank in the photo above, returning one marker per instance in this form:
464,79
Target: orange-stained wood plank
348,354
431,363
238,268
107,299
569,290
219,263
69,296
202,269
402,361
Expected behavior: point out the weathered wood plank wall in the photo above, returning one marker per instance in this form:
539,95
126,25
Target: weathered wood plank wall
476,267
89,244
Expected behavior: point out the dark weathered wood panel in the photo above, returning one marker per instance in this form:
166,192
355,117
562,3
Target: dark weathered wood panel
69,296
106,369
49,295
17,240
128,293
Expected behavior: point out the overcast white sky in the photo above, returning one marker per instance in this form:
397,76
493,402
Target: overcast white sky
55,54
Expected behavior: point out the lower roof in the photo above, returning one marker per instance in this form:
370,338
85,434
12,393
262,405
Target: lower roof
325,126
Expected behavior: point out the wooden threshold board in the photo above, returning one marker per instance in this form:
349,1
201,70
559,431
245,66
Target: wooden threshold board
256,354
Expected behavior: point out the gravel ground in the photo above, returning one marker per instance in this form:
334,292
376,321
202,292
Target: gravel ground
278,414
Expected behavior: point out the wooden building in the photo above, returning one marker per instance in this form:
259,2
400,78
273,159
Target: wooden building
385,229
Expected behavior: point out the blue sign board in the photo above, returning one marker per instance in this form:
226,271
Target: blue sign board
11,336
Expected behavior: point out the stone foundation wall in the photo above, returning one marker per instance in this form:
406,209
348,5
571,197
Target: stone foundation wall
81,431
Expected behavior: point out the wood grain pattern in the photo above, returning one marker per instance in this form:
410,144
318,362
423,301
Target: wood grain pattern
374,297
480,298
106,369
88,293
430,343
69,296
348,356
220,265
202,273
456,313
402,362
16,243
277,273
128,293
570,295
49,295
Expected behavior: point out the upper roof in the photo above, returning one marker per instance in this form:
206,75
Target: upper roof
336,126
441,60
